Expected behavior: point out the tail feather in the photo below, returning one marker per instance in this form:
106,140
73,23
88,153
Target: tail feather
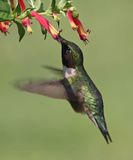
102,127
101,124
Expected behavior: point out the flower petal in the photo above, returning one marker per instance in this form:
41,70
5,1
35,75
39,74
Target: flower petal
45,23
26,23
71,19
22,5
77,25
83,34
4,26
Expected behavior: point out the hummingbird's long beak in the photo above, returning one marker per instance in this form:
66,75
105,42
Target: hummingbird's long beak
64,44
62,40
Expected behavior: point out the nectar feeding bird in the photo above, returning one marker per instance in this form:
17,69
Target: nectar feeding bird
76,87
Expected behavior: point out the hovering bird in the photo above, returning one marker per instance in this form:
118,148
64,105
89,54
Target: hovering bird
76,87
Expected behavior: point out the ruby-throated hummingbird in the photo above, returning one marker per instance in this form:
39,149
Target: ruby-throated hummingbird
76,87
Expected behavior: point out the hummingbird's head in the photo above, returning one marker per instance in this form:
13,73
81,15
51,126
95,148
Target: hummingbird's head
71,54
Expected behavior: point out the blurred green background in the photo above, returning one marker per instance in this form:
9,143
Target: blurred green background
34,127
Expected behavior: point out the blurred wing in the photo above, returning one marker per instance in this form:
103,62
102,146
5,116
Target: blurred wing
54,89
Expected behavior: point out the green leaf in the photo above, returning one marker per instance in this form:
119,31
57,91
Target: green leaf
75,14
21,30
26,13
54,8
44,32
41,9
5,11
6,16
4,6
35,4
17,10
31,3
53,4
64,4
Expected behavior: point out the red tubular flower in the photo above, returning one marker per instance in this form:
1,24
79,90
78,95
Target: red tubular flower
22,5
4,26
83,34
76,24
45,23
7,23
71,19
26,23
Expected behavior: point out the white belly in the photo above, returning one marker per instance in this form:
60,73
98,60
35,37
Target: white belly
69,72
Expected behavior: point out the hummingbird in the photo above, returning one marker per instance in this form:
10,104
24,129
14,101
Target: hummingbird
76,87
